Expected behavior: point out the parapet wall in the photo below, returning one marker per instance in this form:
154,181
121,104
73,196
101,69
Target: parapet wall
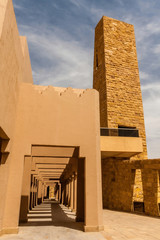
61,91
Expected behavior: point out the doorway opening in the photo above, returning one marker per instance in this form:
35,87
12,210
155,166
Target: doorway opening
55,187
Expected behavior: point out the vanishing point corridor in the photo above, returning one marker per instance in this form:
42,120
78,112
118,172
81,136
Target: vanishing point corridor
53,221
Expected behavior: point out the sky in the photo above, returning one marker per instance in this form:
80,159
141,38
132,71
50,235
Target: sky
60,35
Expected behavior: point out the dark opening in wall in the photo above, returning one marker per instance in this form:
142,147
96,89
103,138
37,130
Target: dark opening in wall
48,192
128,131
30,203
0,150
96,61
4,139
52,179
113,176
120,131
138,207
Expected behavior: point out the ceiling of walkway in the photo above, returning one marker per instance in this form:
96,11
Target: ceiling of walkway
49,162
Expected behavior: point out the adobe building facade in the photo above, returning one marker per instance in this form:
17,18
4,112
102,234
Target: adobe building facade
51,144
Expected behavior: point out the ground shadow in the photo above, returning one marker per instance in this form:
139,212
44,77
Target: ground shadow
51,213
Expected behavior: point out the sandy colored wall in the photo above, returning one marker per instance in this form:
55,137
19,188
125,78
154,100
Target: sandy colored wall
12,65
57,117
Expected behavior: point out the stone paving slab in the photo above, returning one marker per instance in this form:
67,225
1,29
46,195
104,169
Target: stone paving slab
51,233
60,226
125,226
117,226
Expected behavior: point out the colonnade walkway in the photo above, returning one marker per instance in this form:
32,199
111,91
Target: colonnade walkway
50,212
54,221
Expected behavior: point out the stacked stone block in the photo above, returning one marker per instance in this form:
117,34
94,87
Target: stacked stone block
116,77
122,186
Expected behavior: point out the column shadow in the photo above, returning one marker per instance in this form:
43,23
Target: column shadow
52,213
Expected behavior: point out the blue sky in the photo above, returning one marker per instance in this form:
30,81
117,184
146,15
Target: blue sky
60,36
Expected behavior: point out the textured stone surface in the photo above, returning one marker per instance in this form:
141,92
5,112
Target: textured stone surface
122,186
116,77
125,226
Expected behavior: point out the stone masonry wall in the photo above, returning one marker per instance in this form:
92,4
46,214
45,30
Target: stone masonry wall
99,82
116,77
122,186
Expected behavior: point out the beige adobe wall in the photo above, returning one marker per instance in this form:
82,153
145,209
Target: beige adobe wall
57,117
12,65
27,70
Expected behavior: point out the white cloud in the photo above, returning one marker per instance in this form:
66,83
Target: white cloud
76,3
73,61
155,86
152,120
153,27
18,7
156,49
143,75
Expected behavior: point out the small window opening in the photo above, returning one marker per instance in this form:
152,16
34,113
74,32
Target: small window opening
113,176
139,207
96,61
125,127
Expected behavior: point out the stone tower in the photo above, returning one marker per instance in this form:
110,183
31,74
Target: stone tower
116,77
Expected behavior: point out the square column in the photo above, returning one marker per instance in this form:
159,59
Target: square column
75,193
26,183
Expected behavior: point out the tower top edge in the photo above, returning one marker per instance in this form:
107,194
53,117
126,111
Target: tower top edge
113,20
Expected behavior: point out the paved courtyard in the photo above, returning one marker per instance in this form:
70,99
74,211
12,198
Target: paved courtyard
53,221
122,226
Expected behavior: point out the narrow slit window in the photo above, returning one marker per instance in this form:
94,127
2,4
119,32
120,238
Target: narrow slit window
96,61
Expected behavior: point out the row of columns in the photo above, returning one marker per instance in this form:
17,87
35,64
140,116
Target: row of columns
72,187
34,190
69,192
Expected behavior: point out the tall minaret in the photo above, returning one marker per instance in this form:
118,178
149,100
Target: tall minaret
116,77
